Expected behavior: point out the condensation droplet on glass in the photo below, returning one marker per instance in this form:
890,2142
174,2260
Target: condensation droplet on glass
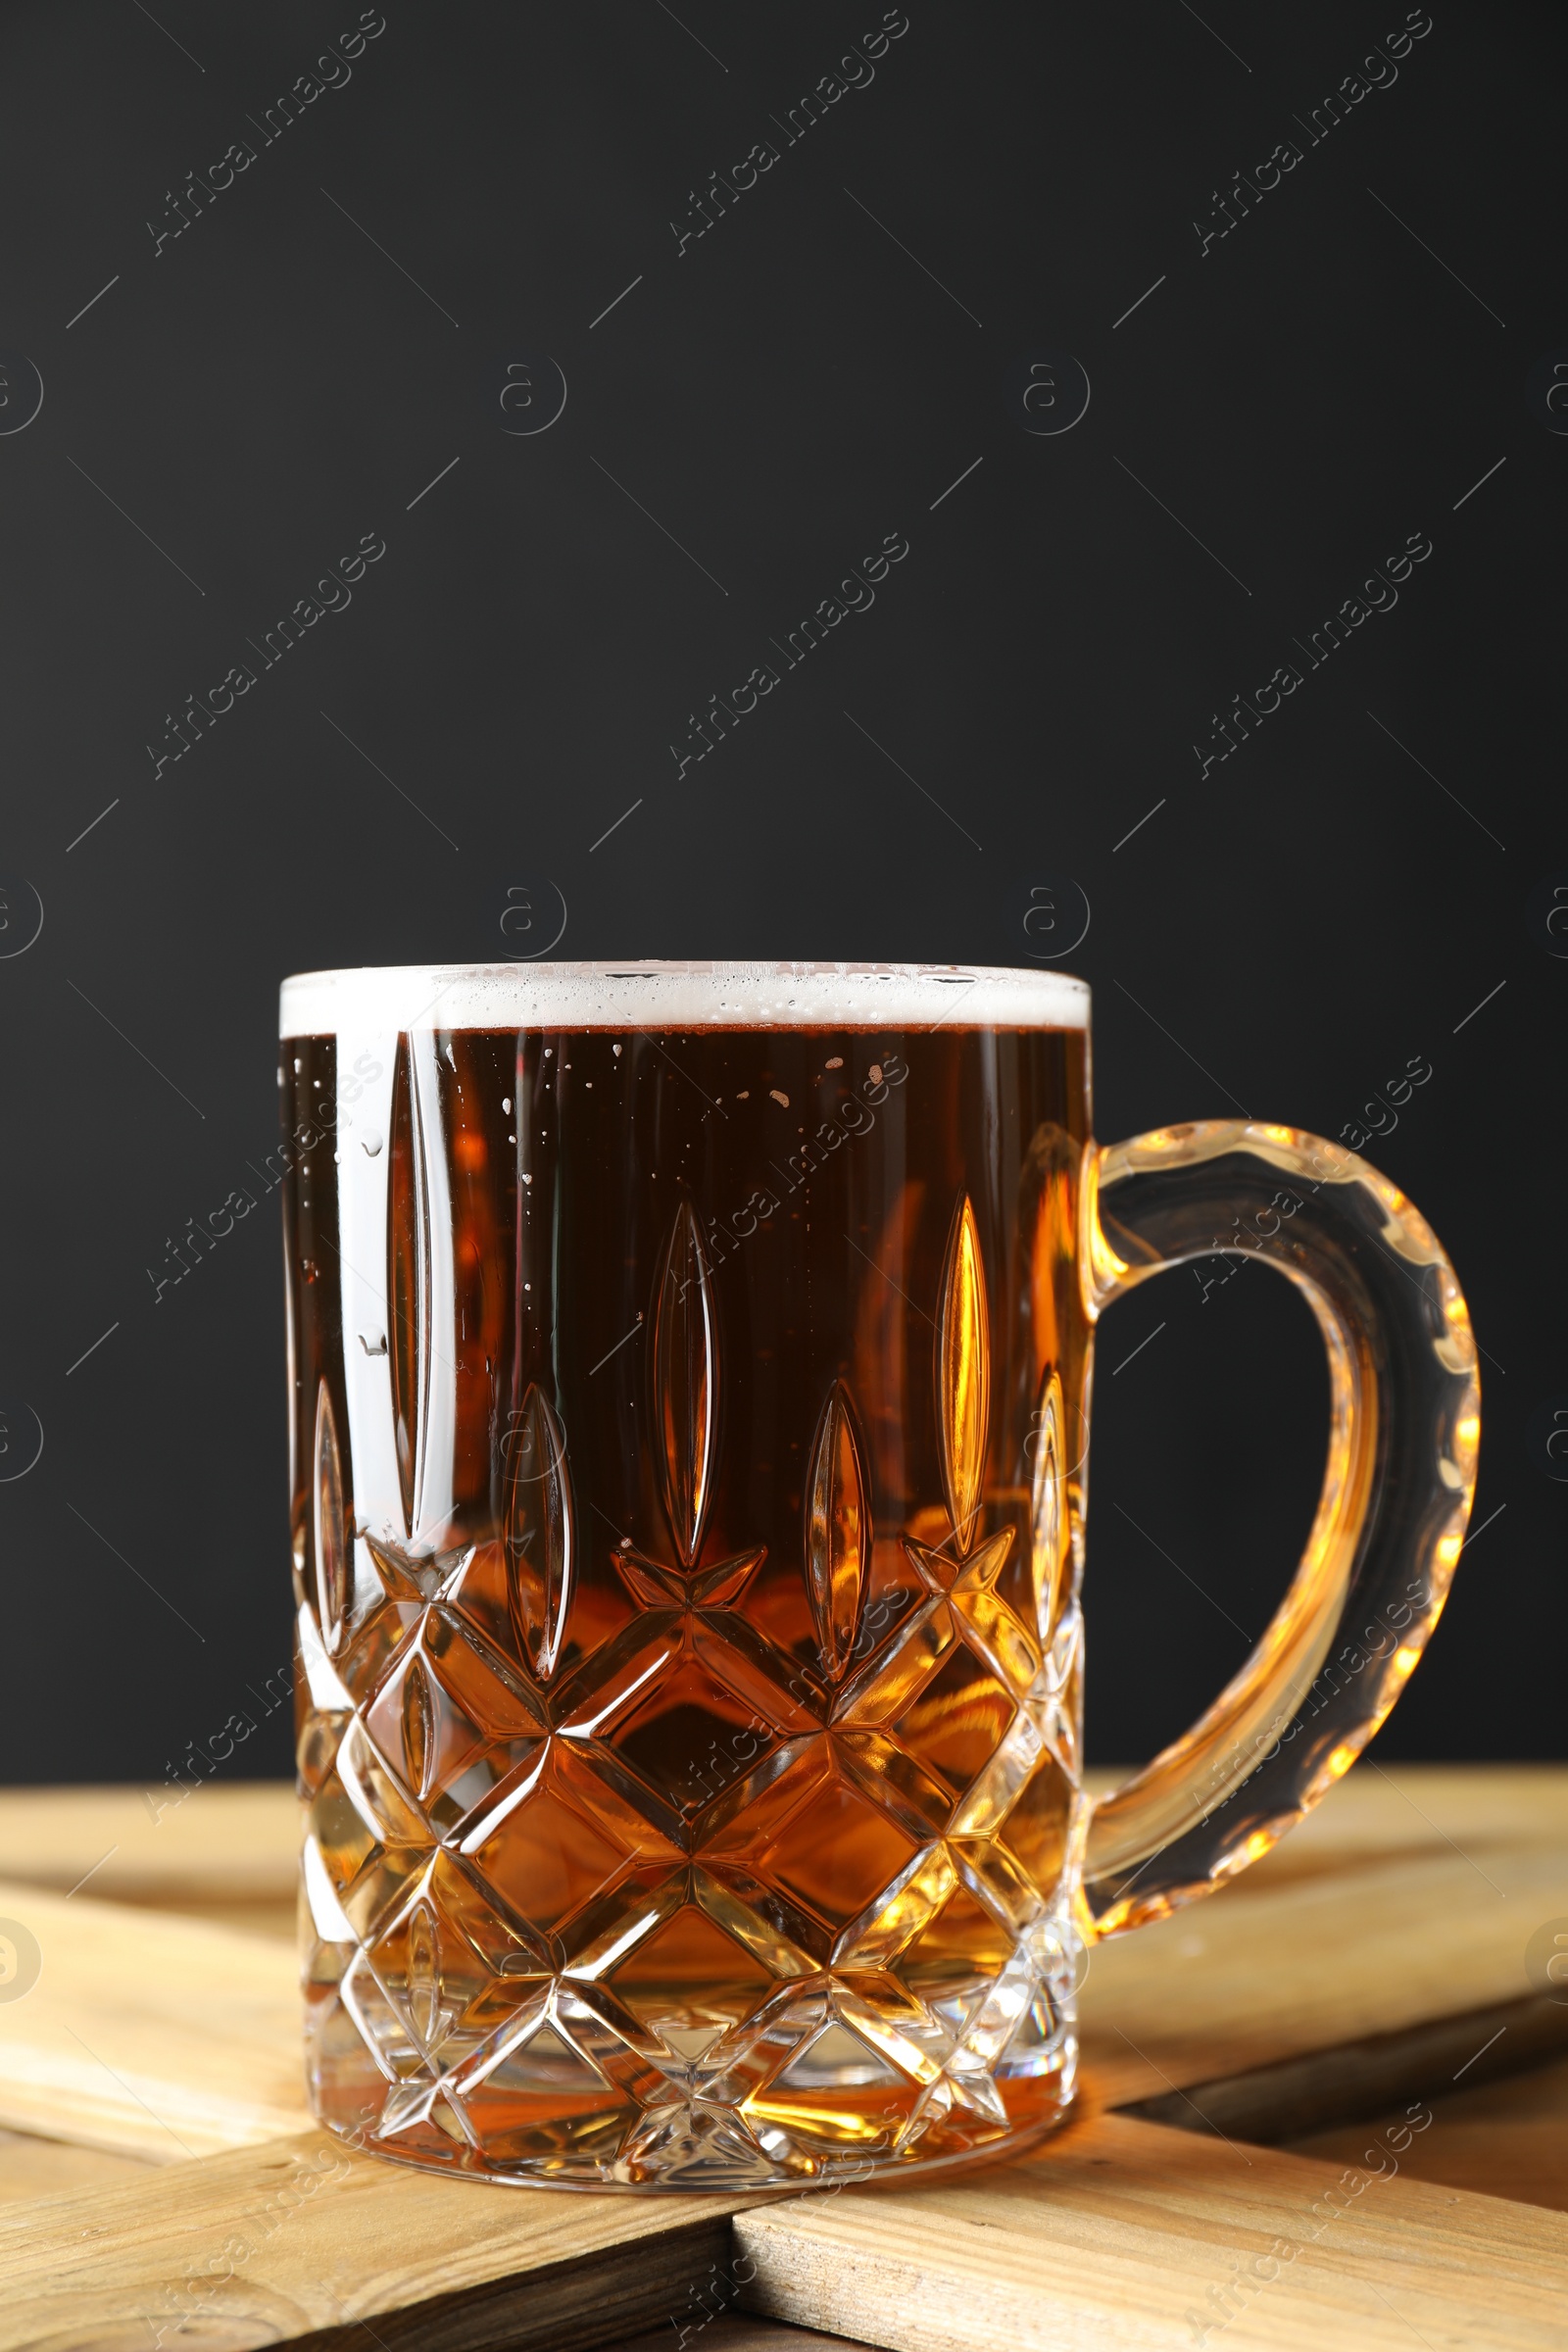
296,1065
615,1049
835,1064
371,1143
506,1105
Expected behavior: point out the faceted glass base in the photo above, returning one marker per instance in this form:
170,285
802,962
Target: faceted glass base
561,2099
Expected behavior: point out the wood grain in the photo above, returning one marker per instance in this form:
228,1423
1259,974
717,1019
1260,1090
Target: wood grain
1384,1811
1127,2234
1506,2139
226,1851
149,2035
31,2168
1409,1921
301,2241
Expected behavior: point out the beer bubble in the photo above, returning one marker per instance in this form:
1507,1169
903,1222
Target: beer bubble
1046,391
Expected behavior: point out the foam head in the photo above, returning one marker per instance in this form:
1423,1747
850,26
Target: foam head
680,997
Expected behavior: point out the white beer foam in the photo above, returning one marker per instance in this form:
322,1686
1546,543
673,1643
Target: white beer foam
679,997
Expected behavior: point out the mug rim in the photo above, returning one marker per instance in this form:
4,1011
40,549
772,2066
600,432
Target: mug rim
680,993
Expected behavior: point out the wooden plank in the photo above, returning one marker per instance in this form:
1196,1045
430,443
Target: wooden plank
301,2241
31,2168
227,1852
1117,2234
1328,2087
149,2035
1388,1811
1239,1981
1123,2233
277,1920
1506,2139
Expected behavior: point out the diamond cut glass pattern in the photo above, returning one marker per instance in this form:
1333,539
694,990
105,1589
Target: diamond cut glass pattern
650,1836
838,1534
538,1532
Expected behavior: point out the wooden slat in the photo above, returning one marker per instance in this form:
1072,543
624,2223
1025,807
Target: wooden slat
149,2035
1128,2233
1312,1959
1330,2087
226,1851
1506,2139
1117,2234
31,2168
1383,1812
447,2265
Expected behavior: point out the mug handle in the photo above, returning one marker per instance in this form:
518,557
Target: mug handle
1404,1426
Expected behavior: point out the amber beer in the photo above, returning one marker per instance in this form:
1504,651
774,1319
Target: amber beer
689,1378
667,1404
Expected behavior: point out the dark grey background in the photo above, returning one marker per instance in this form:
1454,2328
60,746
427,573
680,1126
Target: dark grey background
241,405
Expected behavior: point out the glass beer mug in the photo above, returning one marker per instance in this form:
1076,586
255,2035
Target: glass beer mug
690,1375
